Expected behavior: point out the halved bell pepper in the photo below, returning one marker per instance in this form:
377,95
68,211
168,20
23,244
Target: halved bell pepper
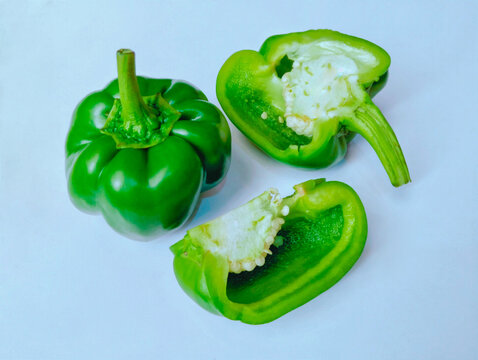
272,255
304,96
141,150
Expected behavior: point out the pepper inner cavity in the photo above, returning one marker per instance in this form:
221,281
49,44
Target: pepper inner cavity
307,240
244,236
318,88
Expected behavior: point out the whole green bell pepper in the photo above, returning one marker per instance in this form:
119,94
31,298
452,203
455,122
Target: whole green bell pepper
141,150
303,97
272,255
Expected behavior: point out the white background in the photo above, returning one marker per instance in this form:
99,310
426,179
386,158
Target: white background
71,288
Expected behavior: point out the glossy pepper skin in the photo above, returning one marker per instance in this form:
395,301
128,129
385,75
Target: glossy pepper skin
141,151
323,236
250,90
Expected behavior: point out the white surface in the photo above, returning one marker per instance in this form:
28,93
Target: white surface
71,288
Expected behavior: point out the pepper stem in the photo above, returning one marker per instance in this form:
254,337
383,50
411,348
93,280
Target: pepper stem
132,122
133,105
372,125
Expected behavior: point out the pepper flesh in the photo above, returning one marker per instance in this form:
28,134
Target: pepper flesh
304,96
141,150
323,235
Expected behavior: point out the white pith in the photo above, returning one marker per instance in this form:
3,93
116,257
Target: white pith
244,236
322,84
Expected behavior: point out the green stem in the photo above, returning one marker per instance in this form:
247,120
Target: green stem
134,121
372,125
134,109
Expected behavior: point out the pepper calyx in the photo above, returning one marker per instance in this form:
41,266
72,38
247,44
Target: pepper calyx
136,121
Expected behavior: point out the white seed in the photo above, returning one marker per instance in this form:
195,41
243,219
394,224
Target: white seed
248,265
260,261
235,267
275,196
281,120
264,115
285,210
268,251
269,240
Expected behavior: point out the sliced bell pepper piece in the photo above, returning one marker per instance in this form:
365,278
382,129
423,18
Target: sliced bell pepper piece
141,151
303,97
272,255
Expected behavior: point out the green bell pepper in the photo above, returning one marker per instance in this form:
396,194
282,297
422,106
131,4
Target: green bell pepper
303,97
272,255
141,150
